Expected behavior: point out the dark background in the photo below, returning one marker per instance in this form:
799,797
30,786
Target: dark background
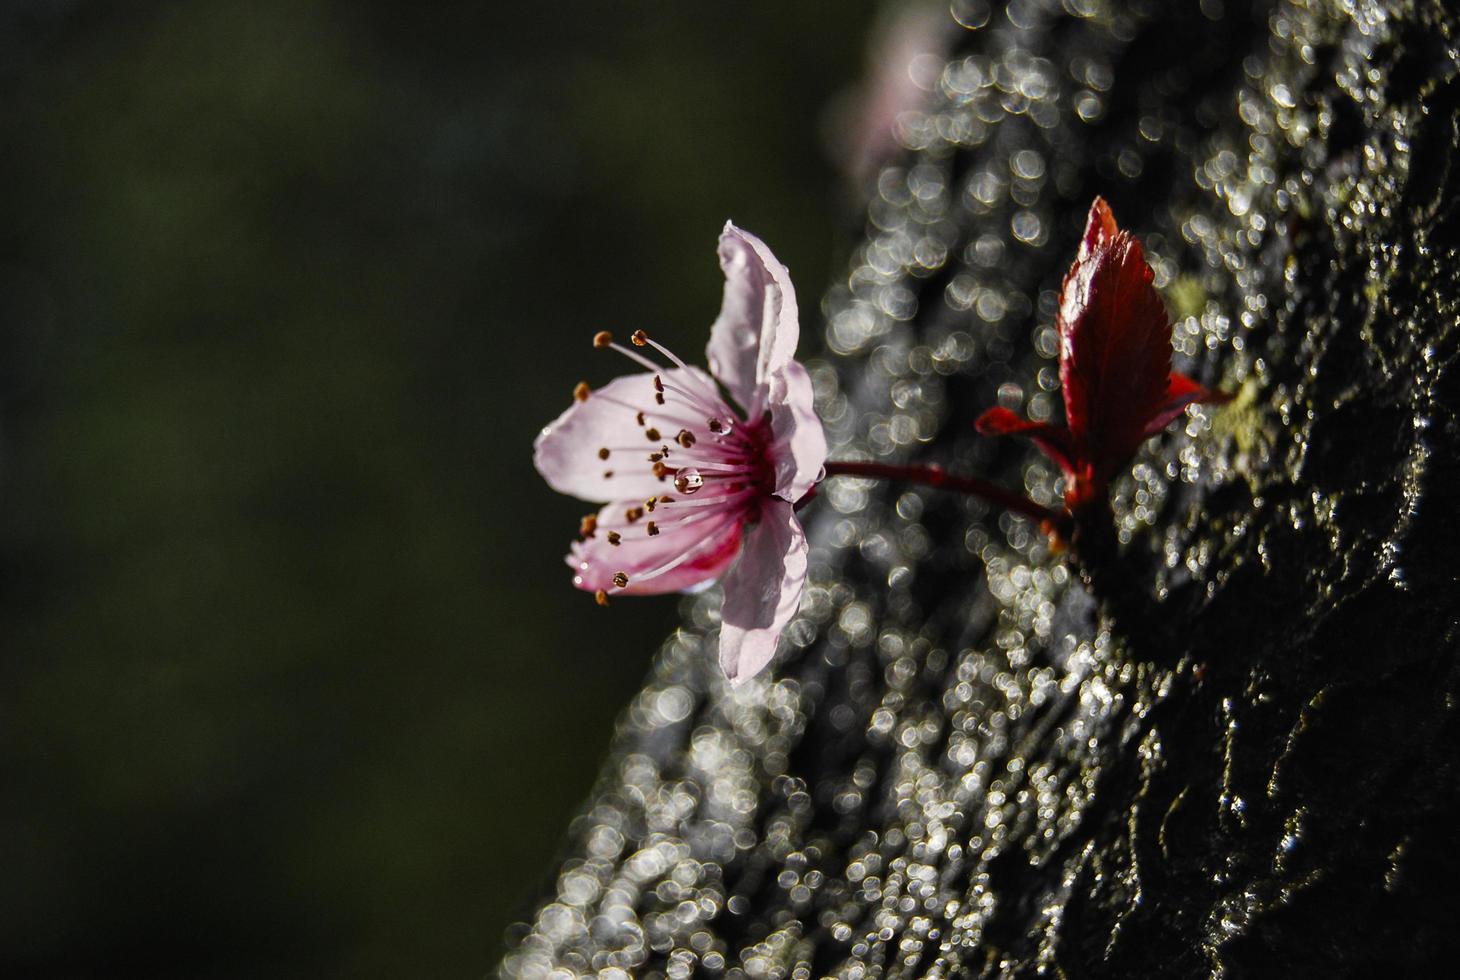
292,681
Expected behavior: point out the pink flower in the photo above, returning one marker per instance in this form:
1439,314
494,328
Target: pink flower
697,490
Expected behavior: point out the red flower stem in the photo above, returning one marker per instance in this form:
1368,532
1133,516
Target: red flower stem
936,476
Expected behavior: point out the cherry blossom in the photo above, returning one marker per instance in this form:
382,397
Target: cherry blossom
699,473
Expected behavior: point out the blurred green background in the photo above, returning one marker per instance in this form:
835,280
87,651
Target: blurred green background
292,681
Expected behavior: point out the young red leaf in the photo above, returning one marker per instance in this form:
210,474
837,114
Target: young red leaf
1115,364
1051,439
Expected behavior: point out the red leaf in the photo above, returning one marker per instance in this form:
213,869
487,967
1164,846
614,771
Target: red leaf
1115,344
1115,365
1181,391
1100,229
1051,439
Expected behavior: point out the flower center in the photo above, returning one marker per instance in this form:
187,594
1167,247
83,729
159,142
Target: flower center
713,463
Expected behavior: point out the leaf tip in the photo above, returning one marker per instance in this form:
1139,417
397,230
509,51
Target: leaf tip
1100,228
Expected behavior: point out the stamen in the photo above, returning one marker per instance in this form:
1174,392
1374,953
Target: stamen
720,500
713,395
641,420
707,400
620,580
651,503
652,528
661,471
602,339
581,391
704,401
715,425
603,453
681,517
658,383
588,525
685,438
653,435
614,538
708,540
608,474
688,481
633,514
600,597
636,357
655,457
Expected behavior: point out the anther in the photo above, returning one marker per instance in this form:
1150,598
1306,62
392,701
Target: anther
685,438
641,419
655,457
715,425
602,339
652,528
608,474
614,538
640,338
601,597
665,498
633,514
659,397
653,435
588,525
658,384
603,453
620,580
581,391
651,503
661,471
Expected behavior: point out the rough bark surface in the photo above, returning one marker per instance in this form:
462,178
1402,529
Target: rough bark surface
958,767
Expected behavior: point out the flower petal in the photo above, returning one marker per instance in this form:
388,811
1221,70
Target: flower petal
762,592
1052,440
1181,391
566,452
798,442
711,542
756,333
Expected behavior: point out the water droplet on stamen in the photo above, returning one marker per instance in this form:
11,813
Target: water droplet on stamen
688,480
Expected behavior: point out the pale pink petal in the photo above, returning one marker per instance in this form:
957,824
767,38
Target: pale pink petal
798,447
762,591
707,546
756,333
566,452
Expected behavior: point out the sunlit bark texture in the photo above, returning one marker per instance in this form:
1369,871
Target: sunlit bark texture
958,767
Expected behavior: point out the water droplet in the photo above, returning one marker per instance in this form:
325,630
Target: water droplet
688,480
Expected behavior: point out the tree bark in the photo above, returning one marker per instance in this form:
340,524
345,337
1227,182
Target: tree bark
962,764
